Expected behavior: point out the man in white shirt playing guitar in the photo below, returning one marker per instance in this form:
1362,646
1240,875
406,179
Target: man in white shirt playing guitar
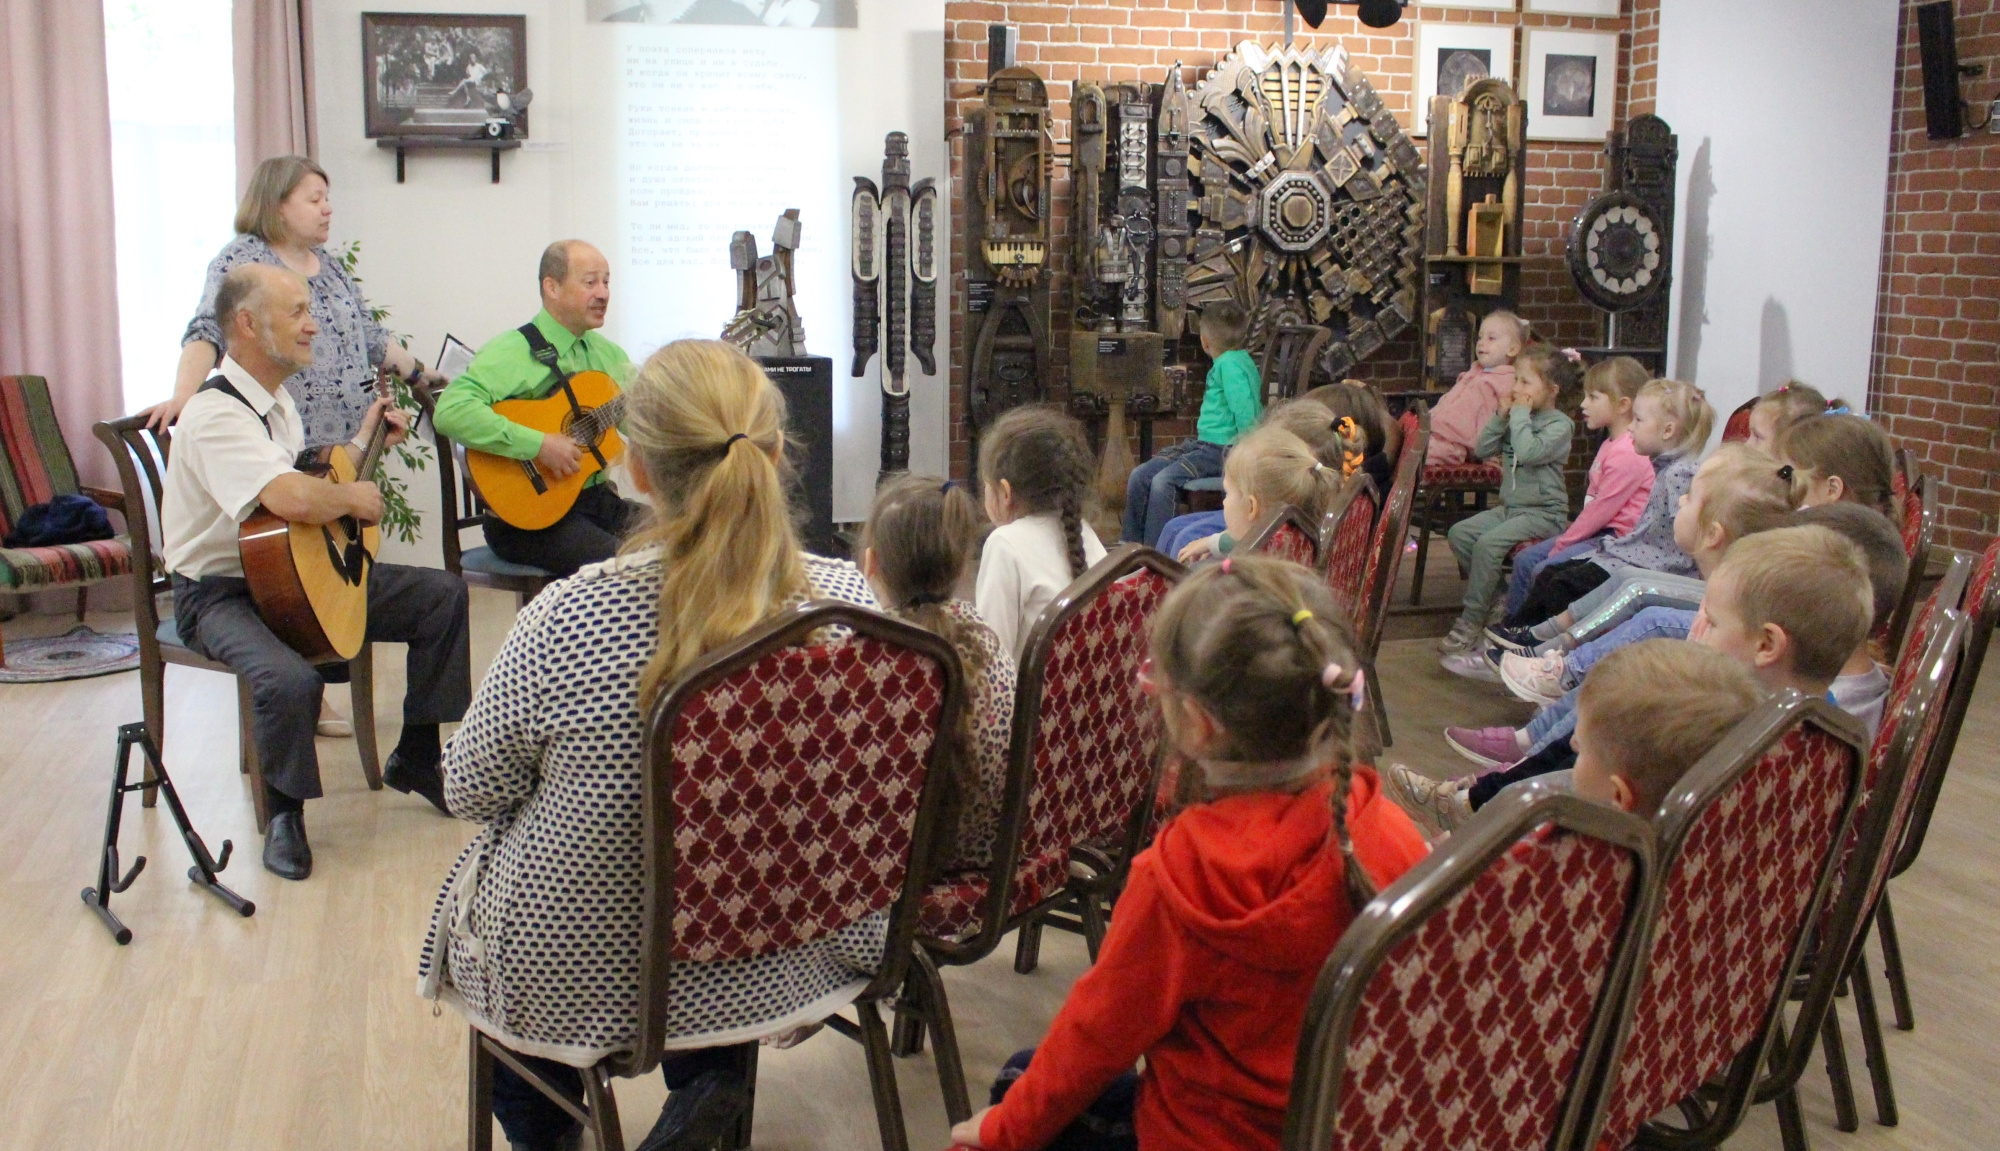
234,448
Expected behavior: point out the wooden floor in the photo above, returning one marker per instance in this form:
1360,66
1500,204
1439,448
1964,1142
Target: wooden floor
300,1028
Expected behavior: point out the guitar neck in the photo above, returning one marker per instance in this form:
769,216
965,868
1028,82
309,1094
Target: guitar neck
597,421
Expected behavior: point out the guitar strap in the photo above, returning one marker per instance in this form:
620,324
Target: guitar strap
545,355
222,384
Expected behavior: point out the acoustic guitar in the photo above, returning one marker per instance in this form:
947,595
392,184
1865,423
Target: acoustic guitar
310,581
517,490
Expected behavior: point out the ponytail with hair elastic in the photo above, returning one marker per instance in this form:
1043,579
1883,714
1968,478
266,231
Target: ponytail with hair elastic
1045,458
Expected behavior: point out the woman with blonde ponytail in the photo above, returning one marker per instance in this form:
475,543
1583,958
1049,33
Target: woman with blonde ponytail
1229,915
535,937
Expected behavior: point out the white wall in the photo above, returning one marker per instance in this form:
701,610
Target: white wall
1783,111
448,251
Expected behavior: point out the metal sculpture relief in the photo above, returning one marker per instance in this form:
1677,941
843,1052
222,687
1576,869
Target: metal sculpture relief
766,322
1009,146
1310,202
894,262
1628,232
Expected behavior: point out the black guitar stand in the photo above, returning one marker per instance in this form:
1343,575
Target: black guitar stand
109,879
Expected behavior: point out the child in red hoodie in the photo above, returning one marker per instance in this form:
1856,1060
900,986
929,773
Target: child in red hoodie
1227,918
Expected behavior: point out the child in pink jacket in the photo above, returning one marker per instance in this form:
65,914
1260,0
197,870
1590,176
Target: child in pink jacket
1480,392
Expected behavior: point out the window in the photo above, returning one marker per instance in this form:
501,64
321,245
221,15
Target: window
173,172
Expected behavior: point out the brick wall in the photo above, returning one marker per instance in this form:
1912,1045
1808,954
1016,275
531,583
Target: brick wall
1132,40
1936,374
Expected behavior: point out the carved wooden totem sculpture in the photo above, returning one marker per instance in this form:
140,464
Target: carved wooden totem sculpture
1009,147
1310,202
1478,165
895,286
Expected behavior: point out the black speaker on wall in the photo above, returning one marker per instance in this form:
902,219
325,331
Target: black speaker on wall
1944,111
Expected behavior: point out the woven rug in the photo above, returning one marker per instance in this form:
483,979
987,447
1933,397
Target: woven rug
77,654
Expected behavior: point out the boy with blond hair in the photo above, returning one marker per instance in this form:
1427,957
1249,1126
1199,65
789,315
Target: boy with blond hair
1649,712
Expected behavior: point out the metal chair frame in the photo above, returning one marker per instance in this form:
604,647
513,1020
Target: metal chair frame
1265,533
1393,528
1923,490
1403,908
141,455
598,1111
928,1007
1719,1104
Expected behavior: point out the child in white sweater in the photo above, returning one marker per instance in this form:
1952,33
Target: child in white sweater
1035,469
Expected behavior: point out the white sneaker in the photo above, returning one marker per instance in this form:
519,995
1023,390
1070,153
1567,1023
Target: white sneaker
1438,805
1471,665
1460,638
1537,679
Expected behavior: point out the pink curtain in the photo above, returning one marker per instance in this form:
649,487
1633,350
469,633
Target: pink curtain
274,83
58,266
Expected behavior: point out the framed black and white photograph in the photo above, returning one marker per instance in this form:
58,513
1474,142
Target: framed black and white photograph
741,13
1573,7
1570,83
432,74
1452,56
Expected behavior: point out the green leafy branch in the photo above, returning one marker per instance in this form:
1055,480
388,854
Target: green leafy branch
398,517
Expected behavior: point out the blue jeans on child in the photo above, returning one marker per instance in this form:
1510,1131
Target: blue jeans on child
1558,720
1536,558
1184,530
1626,596
1106,1125
1154,488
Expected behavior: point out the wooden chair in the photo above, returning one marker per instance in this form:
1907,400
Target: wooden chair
1080,780
1919,518
141,456
1470,1002
1912,720
1288,534
462,508
1385,556
1748,846
36,467
751,759
1982,608
1346,530
1446,485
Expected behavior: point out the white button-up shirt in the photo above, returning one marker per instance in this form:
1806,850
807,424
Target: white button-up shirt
222,458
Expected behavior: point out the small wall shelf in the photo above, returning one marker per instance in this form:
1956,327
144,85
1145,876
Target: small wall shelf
405,144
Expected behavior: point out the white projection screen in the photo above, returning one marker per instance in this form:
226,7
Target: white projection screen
687,131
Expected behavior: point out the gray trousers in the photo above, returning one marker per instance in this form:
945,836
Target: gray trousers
422,607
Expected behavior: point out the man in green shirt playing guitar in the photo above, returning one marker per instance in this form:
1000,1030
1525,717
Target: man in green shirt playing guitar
530,362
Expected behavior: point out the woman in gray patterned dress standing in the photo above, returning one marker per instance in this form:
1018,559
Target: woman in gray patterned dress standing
535,936
283,220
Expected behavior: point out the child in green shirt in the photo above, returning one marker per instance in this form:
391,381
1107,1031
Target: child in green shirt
1230,405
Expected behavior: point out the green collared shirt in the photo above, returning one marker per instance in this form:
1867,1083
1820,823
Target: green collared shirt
505,370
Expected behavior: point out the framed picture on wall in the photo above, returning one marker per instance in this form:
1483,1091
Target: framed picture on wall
1571,81
1574,7
1451,56
431,75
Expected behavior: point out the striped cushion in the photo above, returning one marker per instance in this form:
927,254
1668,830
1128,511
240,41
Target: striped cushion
27,569
35,464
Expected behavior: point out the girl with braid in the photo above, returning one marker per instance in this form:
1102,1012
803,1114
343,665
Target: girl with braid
1229,915
1035,469
919,535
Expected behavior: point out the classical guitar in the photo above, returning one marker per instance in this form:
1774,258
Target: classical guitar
310,581
518,491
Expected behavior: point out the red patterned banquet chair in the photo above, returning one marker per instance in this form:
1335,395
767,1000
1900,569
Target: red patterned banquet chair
1982,608
140,454
1495,967
1346,530
1917,515
788,793
1441,487
36,467
1385,556
1912,720
1747,850
1081,775
1288,534
1737,428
